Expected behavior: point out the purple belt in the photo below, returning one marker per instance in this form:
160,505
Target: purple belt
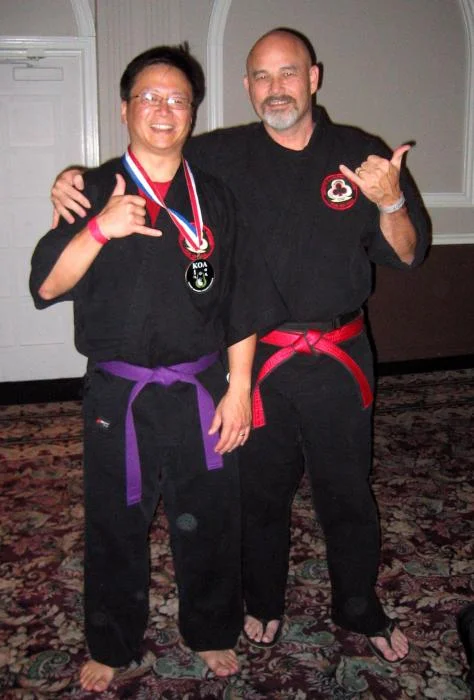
184,372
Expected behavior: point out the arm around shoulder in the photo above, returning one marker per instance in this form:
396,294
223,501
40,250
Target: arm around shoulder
67,195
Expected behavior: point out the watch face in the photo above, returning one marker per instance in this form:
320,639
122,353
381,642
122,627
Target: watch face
199,276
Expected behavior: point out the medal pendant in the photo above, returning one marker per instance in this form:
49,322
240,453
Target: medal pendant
199,275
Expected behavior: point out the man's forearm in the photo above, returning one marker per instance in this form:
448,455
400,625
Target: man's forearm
241,356
400,233
71,265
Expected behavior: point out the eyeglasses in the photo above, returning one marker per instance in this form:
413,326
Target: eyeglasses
149,98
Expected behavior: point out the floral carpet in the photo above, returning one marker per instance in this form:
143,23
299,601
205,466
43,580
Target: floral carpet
423,480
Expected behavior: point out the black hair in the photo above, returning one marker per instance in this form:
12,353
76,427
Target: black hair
177,56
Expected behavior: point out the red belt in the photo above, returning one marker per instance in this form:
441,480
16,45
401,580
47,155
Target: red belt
310,342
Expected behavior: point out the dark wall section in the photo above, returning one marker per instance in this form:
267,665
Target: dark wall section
428,312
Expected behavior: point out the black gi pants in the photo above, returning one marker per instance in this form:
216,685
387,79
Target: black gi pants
315,421
202,508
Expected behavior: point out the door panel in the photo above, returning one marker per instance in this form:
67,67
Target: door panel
41,131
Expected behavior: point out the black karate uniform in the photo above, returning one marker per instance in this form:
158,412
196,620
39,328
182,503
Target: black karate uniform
134,305
319,237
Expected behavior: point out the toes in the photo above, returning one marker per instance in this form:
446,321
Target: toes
95,676
399,643
100,686
398,647
385,649
270,631
224,670
253,628
221,662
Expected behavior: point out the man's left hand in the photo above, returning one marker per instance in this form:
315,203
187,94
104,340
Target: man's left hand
379,178
233,418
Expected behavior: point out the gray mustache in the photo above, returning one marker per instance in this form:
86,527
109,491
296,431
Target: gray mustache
278,98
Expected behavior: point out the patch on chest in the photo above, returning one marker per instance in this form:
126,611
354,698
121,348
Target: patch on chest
338,192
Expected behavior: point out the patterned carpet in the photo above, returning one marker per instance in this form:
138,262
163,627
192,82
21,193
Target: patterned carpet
423,480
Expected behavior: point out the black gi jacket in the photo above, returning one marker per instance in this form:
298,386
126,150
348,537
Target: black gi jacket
319,256
133,304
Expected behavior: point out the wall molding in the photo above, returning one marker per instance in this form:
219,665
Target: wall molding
215,64
465,198
453,239
83,16
433,200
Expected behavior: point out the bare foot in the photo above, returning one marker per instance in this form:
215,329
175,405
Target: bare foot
95,676
255,631
223,662
397,649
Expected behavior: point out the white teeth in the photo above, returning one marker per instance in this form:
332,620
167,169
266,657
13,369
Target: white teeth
162,127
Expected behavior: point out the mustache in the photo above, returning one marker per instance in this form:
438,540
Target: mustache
274,99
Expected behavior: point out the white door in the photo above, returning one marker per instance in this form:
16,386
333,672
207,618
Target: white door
42,129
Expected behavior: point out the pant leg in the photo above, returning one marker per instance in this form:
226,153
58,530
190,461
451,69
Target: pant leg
271,466
203,511
337,435
116,563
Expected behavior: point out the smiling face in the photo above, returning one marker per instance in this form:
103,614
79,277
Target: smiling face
280,81
158,129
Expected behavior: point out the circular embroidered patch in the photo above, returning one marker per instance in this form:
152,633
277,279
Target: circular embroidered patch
338,192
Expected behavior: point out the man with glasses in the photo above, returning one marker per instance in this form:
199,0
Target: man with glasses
324,202
160,291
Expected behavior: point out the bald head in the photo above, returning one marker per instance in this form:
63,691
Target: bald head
299,40
281,79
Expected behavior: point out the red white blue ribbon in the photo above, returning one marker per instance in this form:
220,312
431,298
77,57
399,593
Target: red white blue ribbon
191,232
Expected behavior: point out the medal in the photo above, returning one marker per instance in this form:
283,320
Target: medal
199,276
206,249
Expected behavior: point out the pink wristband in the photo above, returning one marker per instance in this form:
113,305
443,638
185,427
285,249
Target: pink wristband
95,231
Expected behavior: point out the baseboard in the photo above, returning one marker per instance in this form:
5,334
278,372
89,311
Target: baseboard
434,364
47,390
41,391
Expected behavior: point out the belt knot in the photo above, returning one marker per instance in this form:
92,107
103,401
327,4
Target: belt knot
166,375
310,342
307,342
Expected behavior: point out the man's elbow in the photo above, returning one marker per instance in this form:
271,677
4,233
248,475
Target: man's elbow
47,292
408,258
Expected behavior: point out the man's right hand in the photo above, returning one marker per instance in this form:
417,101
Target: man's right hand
124,214
67,197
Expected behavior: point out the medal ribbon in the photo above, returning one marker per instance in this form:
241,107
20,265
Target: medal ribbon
192,234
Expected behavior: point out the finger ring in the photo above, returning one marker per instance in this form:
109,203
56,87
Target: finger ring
241,434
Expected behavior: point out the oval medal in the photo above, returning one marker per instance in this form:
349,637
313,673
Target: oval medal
199,276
